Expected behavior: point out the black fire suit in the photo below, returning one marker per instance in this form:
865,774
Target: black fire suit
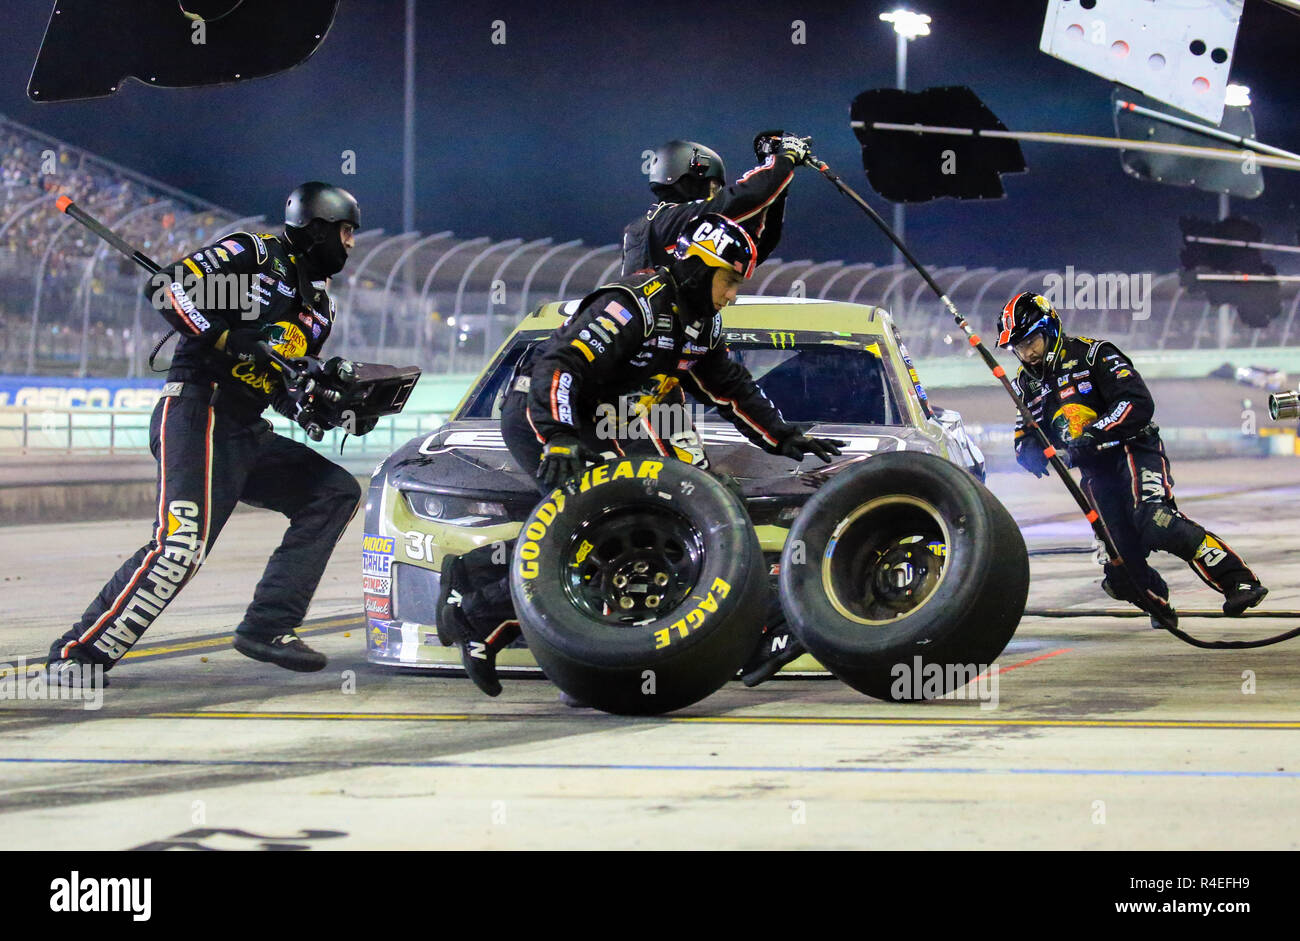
214,450
1092,389
756,201
613,376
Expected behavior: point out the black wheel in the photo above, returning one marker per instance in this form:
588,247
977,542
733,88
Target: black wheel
904,576
643,591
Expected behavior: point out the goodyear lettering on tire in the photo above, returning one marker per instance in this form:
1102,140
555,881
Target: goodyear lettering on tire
530,551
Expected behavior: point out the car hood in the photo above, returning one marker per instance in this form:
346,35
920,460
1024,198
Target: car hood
470,457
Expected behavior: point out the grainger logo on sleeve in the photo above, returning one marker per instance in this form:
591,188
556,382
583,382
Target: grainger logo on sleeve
77,894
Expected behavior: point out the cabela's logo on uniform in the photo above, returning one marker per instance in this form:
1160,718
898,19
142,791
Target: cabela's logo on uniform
285,338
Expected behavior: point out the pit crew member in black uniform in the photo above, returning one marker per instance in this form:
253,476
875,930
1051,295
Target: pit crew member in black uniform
647,338
1087,395
690,180
213,448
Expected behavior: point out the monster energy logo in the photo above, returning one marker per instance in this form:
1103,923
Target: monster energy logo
782,340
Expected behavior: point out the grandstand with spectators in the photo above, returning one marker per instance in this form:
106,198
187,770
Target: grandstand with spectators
70,306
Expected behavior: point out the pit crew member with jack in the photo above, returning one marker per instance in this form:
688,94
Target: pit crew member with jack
690,180
213,448
1088,397
649,336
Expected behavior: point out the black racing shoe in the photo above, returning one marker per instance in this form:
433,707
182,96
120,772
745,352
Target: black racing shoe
1246,595
478,654
284,650
451,589
775,649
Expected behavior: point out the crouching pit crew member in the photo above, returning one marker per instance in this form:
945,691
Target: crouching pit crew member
650,337
213,448
1094,406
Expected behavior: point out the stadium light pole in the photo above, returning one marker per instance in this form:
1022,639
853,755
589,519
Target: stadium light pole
907,26
408,125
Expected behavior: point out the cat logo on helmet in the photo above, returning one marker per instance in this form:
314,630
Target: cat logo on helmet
720,243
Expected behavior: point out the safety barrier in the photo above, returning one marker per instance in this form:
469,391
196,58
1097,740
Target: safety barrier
30,430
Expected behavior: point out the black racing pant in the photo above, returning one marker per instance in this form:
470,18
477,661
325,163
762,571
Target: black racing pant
489,604
1133,490
210,459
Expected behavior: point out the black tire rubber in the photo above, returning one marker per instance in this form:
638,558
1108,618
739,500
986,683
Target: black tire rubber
965,620
668,662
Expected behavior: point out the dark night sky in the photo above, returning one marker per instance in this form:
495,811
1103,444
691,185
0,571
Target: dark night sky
543,136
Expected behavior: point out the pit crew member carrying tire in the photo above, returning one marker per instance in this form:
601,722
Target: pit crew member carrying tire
690,180
1090,399
648,337
213,448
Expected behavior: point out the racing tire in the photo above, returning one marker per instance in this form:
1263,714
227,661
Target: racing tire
904,576
641,588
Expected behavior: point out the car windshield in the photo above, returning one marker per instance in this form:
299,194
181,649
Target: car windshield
830,383
822,382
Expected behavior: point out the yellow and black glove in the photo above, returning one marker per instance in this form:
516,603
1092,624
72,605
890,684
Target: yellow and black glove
563,458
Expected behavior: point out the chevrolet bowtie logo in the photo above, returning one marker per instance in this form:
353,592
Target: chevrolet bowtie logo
782,340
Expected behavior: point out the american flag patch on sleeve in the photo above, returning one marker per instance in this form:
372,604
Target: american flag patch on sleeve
232,246
618,312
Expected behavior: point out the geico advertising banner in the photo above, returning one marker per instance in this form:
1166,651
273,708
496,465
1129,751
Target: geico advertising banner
58,392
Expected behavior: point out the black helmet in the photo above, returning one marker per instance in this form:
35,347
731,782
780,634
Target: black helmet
719,243
1028,314
316,200
681,169
311,217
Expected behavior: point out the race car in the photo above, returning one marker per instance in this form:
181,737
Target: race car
838,370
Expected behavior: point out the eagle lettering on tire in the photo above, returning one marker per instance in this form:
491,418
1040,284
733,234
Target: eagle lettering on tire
640,566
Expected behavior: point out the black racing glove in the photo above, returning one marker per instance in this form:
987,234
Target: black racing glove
247,345
1082,448
564,458
1031,458
796,446
767,143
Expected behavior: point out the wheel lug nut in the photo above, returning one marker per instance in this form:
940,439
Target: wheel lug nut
652,601
620,581
661,579
641,567
625,602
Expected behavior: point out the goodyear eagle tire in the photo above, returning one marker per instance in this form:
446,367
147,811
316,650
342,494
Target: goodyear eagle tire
644,590
904,576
